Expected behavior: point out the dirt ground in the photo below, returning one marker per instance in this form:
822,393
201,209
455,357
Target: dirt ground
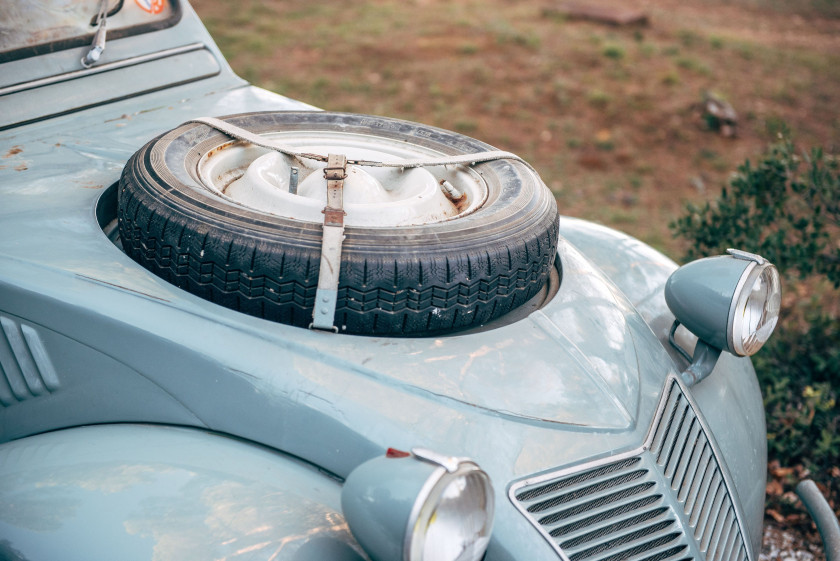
784,544
608,115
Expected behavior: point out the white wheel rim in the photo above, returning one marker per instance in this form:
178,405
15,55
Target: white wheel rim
259,179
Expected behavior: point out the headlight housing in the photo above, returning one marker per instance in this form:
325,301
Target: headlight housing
731,302
420,506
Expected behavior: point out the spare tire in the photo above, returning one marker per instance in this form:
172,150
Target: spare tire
458,271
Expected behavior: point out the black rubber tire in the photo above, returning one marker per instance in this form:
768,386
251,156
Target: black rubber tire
393,281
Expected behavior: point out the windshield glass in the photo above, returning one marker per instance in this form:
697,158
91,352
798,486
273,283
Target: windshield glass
30,27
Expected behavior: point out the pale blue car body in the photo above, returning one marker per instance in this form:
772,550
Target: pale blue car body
138,421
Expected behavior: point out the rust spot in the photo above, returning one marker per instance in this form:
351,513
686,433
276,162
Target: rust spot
213,151
461,204
13,151
91,185
58,145
124,116
21,167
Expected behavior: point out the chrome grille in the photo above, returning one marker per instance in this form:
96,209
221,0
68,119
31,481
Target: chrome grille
666,501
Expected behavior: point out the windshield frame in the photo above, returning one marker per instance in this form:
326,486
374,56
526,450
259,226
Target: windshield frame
86,39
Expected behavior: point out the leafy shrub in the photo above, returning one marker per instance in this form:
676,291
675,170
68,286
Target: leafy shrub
786,207
788,215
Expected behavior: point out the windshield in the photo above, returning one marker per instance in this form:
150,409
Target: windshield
32,27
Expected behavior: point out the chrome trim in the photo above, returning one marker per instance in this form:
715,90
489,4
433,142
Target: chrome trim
739,297
422,497
67,76
451,463
746,256
446,470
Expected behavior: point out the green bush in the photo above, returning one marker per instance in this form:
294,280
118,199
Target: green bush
776,209
786,207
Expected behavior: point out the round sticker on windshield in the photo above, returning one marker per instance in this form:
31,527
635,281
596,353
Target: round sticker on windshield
151,6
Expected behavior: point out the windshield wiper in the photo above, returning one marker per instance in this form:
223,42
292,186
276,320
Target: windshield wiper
98,44
117,7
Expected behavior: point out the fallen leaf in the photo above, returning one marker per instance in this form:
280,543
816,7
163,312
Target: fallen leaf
777,516
774,488
781,472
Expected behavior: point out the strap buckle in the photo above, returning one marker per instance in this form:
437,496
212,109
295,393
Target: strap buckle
335,173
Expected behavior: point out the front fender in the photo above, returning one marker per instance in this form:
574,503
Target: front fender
142,492
638,270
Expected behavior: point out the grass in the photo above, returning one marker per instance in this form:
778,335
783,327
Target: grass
504,73
614,51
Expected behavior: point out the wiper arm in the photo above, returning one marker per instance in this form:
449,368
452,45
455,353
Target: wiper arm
117,7
98,44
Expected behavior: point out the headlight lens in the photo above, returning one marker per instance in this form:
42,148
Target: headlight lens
421,506
455,519
756,309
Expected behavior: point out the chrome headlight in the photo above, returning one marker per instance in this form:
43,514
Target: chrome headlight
419,506
755,311
731,302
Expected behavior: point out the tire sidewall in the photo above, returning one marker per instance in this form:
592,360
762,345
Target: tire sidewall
516,196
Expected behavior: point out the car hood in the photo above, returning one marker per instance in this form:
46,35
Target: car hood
572,362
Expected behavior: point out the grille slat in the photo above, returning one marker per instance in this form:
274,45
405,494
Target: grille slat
26,370
580,479
643,547
631,539
704,471
711,480
731,541
667,553
728,544
688,453
581,523
631,523
721,536
671,435
688,482
662,428
590,490
667,502
742,556
678,444
704,527
573,528
611,499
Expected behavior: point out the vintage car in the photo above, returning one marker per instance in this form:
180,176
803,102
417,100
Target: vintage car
237,327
